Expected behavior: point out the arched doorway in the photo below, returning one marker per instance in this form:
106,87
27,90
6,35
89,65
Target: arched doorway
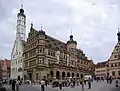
77,75
63,74
68,74
57,75
72,75
51,73
30,76
81,75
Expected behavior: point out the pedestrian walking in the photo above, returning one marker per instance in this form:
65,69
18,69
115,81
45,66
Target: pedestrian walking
13,84
89,83
60,85
33,82
82,84
116,82
42,85
17,85
77,82
73,83
46,82
30,82
107,79
110,79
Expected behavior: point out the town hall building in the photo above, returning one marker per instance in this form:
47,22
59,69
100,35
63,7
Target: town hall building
18,47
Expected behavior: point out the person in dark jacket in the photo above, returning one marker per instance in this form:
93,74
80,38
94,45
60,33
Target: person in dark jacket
60,85
89,83
110,79
13,84
116,82
42,85
46,82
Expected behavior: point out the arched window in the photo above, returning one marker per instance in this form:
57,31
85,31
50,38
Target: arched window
20,69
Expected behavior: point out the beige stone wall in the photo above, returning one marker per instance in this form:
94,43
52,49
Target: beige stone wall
116,72
100,71
69,46
114,68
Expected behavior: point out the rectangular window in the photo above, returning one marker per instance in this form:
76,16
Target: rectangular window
40,50
113,73
26,64
115,56
48,52
119,64
53,53
115,64
119,73
16,61
81,62
40,60
111,65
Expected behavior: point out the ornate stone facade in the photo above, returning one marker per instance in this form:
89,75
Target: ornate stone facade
101,69
5,66
114,61
47,57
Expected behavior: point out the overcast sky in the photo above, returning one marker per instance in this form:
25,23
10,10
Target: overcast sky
94,23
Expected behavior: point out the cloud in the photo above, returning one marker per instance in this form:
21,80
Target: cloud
93,23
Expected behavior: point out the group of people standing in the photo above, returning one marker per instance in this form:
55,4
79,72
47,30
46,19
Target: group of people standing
43,83
109,79
15,84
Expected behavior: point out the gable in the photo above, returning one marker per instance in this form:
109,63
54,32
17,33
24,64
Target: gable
17,49
115,55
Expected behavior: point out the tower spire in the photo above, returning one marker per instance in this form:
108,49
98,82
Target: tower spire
21,10
71,36
118,34
118,30
21,6
21,26
71,31
41,27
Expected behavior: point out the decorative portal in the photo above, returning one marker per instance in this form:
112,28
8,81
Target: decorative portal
77,75
68,74
63,74
72,75
51,73
57,75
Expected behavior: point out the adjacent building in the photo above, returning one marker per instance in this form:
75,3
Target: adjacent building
92,67
5,66
101,69
114,60
47,57
17,50
112,66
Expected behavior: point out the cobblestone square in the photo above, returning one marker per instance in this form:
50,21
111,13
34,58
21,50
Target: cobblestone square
96,86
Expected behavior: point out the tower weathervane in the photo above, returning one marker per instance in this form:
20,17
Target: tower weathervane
41,26
118,30
31,25
21,4
71,31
